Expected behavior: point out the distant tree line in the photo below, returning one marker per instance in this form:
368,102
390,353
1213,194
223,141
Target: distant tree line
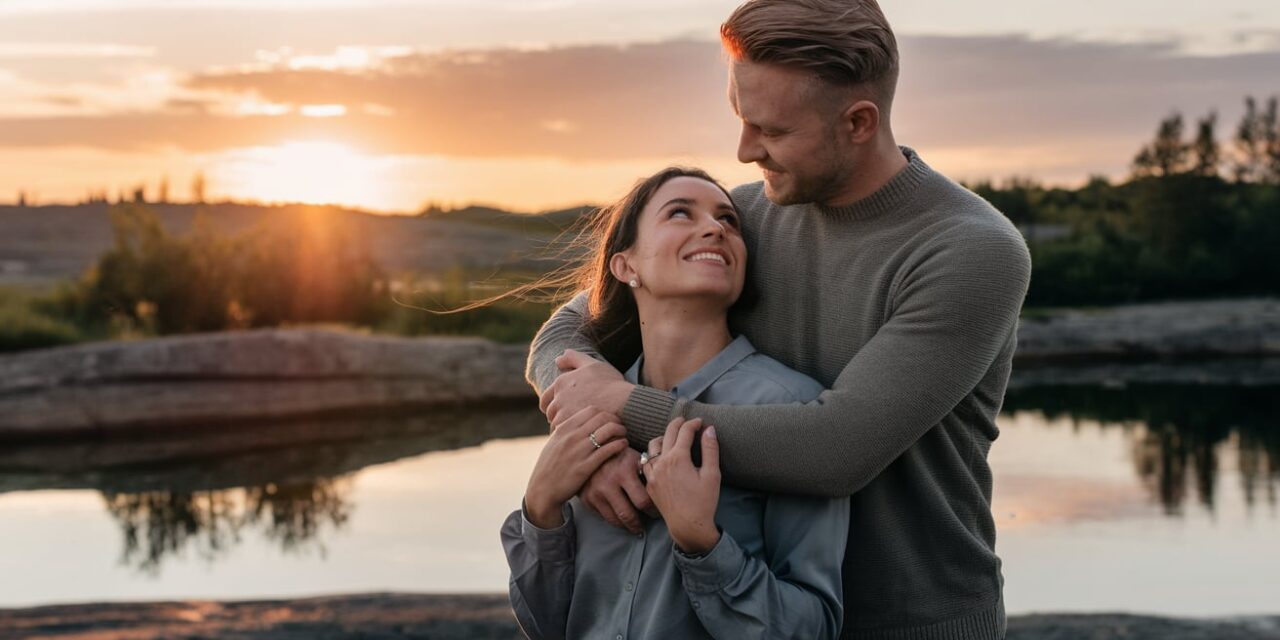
1194,219
136,194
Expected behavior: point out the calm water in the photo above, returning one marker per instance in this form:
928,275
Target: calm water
1155,499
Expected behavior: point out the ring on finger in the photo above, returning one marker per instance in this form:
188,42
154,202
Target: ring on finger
592,437
646,457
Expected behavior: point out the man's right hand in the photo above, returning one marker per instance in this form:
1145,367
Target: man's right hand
615,492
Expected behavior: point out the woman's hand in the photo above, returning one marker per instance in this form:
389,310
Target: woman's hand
567,460
686,495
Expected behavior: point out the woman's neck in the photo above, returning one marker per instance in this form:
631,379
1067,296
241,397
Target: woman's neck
679,337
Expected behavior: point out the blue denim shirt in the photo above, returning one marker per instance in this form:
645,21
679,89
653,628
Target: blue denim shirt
774,574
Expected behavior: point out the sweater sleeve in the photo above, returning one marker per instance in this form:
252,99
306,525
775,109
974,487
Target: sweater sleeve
563,330
952,316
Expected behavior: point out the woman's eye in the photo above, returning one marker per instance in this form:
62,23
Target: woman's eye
730,219
679,212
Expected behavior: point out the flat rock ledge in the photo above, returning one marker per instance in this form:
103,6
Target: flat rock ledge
291,373
1167,330
260,375
486,617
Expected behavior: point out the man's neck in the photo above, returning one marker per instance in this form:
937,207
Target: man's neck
679,337
871,172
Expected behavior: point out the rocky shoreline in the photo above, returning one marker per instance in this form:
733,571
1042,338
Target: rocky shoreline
275,374
486,617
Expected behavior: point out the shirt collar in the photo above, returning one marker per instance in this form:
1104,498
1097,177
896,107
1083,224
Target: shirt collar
702,379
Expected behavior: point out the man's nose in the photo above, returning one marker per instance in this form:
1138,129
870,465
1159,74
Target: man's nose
749,149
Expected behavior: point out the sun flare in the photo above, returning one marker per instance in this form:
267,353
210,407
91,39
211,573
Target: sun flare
313,172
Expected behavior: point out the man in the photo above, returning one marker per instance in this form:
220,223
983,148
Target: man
893,286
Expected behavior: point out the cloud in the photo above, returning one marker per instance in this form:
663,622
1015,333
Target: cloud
1077,106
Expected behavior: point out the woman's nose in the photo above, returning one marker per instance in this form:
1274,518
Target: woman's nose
714,228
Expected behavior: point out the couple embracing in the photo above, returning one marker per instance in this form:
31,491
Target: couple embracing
771,407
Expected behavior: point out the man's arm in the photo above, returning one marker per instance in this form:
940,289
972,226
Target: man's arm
614,490
952,317
563,330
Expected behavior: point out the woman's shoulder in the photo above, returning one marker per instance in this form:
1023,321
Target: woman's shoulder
763,380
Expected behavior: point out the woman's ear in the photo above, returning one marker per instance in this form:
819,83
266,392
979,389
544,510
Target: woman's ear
620,269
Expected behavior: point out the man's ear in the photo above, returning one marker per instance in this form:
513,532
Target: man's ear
620,269
861,121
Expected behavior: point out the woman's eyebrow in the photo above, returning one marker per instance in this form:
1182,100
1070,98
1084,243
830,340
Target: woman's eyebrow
684,201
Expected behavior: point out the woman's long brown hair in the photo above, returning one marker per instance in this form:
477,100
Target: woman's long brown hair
613,322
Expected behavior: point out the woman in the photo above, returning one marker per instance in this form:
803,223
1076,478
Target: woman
721,562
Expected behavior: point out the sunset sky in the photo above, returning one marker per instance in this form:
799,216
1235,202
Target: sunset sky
535,104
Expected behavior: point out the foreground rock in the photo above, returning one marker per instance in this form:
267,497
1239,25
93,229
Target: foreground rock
483,617
233,376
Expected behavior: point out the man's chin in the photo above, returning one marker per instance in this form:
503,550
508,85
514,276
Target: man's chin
779,196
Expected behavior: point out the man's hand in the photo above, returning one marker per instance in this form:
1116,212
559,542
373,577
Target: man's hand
584,382
615,492
686,495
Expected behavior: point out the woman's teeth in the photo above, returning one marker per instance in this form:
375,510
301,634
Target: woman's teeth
706,256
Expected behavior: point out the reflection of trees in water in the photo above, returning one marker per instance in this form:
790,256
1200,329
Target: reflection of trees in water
1179,433
157,524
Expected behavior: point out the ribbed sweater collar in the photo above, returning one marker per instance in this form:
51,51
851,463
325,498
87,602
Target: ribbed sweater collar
890,197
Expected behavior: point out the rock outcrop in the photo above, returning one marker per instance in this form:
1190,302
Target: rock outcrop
171,383
264,374
1166,330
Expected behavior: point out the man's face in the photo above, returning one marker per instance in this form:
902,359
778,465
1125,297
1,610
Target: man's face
790,129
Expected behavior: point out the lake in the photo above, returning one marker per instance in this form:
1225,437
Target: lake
1143,498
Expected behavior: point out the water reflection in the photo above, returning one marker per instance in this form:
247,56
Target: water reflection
156,524
1179,434
288,482
202,492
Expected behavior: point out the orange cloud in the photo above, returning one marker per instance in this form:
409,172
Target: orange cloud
1058,107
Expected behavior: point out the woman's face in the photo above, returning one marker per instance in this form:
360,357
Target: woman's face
688,245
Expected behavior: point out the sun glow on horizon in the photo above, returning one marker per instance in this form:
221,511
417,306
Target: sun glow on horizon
306,171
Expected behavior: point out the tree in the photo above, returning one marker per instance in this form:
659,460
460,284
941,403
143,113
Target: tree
197,188
163,196
22,198
140,194
1205,152
1257,157
1167,154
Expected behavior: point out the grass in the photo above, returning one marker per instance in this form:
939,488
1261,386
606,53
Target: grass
26,322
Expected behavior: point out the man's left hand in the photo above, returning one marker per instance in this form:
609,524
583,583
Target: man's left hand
584,382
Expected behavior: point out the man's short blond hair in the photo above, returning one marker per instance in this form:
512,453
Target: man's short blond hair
846,43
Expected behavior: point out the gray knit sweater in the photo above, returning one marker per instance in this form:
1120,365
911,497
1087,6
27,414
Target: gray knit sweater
905,305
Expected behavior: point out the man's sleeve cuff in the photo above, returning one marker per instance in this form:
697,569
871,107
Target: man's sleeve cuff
711,572
646,414
549,545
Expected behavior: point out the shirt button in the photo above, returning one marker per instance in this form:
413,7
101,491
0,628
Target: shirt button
697,605
618,637
630,586
640,535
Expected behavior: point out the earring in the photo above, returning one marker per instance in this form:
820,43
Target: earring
635,284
